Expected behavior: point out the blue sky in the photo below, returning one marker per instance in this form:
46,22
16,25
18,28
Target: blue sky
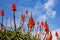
41,10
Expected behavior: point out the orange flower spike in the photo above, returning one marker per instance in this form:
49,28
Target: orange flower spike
47,38
13,7
26,11
46,27
22,17
2,12
31,22
56,34
50,35
41,24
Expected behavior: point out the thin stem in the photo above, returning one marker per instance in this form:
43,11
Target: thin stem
44,37
2,23
14,22
6,22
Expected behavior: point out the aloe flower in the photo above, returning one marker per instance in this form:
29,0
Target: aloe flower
26,11
49,37
2,14
31,22
13,10
46,28
13,7
56,34
22,18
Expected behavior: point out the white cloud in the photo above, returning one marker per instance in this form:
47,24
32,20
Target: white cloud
51,13
48,10
42,18
49,4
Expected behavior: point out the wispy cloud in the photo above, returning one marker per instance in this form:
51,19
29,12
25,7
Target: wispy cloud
49,5
48,10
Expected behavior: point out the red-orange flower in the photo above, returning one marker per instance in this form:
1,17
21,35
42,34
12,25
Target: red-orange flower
22,17
13,7
2,12
56,34
26,11
49,37
46,27
41,24
31,22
